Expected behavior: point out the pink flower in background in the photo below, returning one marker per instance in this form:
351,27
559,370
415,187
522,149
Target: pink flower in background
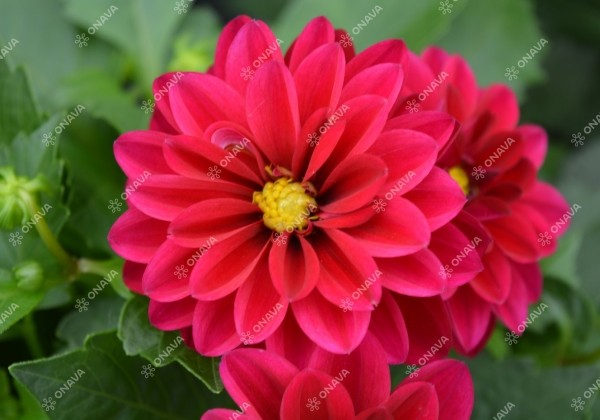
288,193
330,386
496,162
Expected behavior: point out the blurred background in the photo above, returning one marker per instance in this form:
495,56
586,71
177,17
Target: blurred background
52,65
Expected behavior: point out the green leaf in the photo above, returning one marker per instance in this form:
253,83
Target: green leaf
99,382
16,304
17,108
102,316
142,28
536,393
505,39
418,23
162,348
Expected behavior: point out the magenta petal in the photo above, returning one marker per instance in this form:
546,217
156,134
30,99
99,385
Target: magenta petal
493,283
170,316
413,275
416,400
217,219
229,263
136,237
515,309
438,125
389,51
347,271
323,91
162,280
399,230
383,80
254,46
307,387
290,342
387,325
257,378
225,39
453,385
353,184
375,413
213,327
259,309
316,33
132,276
141,151
272,112
470,316
438,197
294,267
368,377
223,414
316,316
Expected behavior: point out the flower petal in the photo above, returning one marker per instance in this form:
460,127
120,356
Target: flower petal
290,342
229,263
470,317
224,43
316,33
213,327
137,237
416,400
141,151
162,281
387,325
493,283
272,112
294,267
316,317
257,378
170,316
390,51
413,275
437,125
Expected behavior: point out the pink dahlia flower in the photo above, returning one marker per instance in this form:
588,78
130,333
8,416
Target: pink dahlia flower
330,386
496,162
280,186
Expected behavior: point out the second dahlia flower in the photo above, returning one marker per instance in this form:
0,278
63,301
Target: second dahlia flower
281,186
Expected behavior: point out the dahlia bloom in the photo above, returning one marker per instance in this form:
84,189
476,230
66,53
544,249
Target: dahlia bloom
330,386
281,188
496,162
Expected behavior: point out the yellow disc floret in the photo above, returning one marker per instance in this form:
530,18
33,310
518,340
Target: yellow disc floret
460,176
285,204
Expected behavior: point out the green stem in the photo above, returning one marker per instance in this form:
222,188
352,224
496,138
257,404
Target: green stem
583,360
52,243
102,268
31,337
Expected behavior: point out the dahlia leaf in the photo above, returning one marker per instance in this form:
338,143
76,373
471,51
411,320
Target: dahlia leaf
143,28
162,348
418,23
102,316
99,381
17,109
535,392
511,35
15,304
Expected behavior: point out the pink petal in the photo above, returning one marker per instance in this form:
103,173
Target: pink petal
438,197
257,378
375,413
272,112
364,373
382,80
399,230
387,325
413,275
171,316
132,276
353,184
217,219
316,33
453,385
294,267
428,326
141,151
493,283
316,316
290,342
308,386
229,263
515,309
164,197
516,237
161,280
389,51
136,237
437,125
213,326
470,317
259,309
254,46
536,143
323,91
225,39
223,414
414,401
347,271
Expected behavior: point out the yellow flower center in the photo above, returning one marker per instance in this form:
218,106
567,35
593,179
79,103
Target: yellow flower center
460,176
285,204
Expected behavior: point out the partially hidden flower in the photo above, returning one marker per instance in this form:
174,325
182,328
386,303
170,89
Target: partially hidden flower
355,386
496,162
246,219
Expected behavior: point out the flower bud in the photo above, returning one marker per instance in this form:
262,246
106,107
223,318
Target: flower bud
29,275
17,196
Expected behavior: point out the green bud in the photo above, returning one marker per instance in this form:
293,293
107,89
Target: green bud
29,275
188,56
17,196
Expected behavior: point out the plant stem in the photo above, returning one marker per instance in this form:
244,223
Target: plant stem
31,337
